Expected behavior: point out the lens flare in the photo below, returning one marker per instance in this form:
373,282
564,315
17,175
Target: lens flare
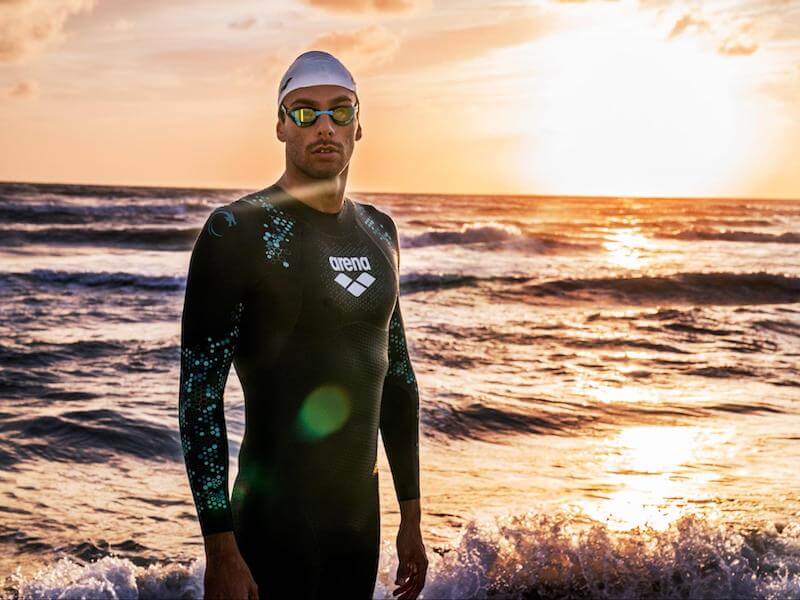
324,411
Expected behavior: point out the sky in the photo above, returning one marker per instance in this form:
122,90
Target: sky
643,98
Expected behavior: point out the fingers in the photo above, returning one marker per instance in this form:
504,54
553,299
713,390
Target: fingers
402,572
403,578
410,589
413,585
404,587
421,573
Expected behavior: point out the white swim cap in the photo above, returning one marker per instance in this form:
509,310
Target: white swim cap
315,67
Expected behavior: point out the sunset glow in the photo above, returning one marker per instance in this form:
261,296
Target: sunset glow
649,467
620,111
647,98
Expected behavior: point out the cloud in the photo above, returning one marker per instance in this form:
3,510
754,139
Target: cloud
448,46
370,50
24,89
359,50
655,3
377,50
363,6
739,42
243,23
366,47
734,47
29,26
686,21
733,33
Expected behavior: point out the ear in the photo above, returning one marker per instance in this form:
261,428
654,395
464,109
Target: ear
279,130
358,131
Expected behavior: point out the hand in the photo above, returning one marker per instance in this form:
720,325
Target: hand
413,565
227,577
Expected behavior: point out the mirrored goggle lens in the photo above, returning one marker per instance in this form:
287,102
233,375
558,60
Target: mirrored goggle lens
341,115
304,115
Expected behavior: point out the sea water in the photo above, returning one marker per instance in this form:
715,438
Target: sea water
609,394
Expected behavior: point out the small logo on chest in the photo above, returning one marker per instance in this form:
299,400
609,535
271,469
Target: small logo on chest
355,286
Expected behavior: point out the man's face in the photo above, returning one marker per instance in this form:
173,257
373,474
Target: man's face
301,142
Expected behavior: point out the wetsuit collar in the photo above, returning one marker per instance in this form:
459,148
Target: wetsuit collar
332,223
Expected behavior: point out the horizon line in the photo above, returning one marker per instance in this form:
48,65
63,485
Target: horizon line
578,196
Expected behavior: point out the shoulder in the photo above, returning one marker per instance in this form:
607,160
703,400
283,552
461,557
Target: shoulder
223,222
254,201
381,222
272,225
253,205
374,211
243,214
264,205
233,223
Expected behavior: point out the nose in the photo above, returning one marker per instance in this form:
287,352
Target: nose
325,124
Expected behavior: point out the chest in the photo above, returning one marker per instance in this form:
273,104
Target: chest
344,279
313,284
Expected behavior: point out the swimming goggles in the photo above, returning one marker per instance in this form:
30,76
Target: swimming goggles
305,116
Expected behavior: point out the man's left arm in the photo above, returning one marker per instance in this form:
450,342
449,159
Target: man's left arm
399,422
399,426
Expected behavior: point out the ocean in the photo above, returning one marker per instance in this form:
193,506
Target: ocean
610,391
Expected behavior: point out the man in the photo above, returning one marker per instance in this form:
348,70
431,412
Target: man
298,287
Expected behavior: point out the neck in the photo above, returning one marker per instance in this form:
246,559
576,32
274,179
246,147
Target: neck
326,195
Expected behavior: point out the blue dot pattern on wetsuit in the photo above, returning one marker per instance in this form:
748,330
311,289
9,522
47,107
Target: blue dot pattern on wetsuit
306,306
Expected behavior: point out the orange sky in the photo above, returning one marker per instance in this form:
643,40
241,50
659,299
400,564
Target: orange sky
588,97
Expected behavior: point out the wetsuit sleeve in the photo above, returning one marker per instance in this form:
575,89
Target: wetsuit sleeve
399,420
212,309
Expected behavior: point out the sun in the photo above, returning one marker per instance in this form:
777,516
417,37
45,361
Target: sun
619,110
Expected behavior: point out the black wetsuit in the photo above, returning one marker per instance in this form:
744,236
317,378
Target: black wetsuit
306,306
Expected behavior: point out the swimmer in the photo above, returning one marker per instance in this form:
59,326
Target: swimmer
298,287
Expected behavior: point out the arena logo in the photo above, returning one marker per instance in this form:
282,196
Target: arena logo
355,286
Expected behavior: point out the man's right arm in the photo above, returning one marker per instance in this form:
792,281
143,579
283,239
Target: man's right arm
212,310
